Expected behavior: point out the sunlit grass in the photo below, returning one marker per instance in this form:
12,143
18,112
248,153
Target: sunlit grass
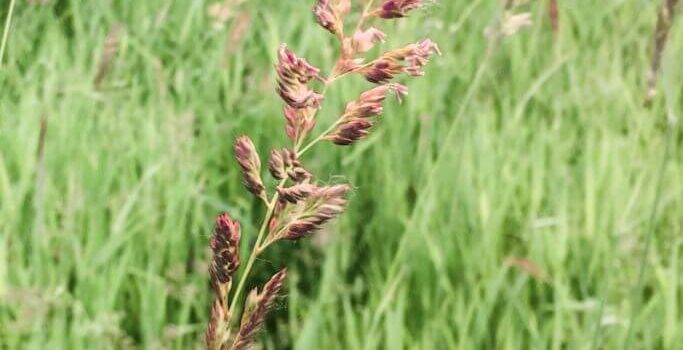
552,160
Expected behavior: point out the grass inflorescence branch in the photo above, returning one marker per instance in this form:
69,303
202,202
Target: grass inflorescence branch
298,206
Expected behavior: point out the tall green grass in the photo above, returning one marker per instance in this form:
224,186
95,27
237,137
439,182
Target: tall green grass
549,157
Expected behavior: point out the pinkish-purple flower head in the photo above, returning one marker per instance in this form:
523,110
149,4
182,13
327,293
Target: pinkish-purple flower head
397,8
293,75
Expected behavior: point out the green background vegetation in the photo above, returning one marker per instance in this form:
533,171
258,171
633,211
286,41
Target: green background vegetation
548,156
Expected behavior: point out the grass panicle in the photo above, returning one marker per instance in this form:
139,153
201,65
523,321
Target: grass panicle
299,206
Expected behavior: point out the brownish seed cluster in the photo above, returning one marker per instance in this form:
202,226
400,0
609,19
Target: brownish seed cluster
285,164
296,193
330,15
308,209
397,8
357,120
257,305
294,74
225,248
225,261
248,159
298,205
410,60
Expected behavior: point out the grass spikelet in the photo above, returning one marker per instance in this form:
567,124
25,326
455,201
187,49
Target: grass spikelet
258,305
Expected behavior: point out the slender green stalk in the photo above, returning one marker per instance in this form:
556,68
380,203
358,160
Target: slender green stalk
635,294
601,307
5,33
320,137
254,252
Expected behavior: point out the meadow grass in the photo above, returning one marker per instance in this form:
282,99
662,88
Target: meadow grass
541,152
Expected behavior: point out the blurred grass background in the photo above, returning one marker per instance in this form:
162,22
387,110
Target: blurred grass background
505,213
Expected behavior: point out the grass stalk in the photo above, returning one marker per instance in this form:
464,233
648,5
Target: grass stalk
5,33
636,297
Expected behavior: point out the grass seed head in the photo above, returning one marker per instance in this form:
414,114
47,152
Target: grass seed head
397,8
410,59
328,16
285,163
355,122
276,165
418,56
248,159
296,192
363,41
225,248
214,330
308,215
258,305
293,75
225,261
370,103
299,122
351,132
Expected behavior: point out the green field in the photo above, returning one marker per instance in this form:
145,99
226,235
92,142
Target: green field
510,202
